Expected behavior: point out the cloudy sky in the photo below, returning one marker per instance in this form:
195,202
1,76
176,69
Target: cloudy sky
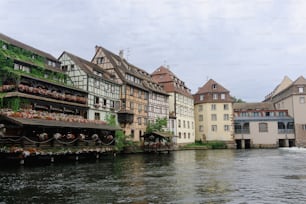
248,46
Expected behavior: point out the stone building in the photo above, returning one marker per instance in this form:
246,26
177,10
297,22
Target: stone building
260,125
290,95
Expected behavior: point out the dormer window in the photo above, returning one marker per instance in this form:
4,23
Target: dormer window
301,89
201,97
100,60
4,46
33,57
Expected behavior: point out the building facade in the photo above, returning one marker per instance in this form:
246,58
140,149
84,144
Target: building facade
141,98
181,116
291,95
103,91
33,80
213,113
260,125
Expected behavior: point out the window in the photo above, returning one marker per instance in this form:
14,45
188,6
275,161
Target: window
304,126
139,120
139,108
104,102
97,116
184,123
200,108
96,100
131,91
180,135
222,96
188,124
112,104
213,107
100,60
172,124
184,135
146,95
225,106
214,86
4,46
263,127
72,67
226,128
201,128
200,117
301,89
65,68
139,93
201,97
131,106
226,117
145,121
215,96
179,123
213,117
188,135
302,100
214,128
281,114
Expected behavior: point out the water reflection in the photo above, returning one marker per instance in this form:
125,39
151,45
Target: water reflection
218,176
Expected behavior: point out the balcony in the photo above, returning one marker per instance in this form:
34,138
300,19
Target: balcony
125,117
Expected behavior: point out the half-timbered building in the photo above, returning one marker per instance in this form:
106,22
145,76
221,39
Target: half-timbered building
141,98
103,91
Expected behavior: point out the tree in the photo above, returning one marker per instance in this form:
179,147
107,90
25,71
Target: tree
158,125
119,135
237,100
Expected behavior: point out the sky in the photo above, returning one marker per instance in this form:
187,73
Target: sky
247,46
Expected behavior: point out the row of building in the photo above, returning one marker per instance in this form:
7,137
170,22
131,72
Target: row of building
110,85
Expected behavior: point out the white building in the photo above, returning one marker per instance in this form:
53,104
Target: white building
103,92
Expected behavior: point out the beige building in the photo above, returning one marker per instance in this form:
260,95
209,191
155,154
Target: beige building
291,95
260,125
181,117
213,113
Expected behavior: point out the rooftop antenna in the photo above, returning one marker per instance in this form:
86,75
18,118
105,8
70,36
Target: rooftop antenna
127,53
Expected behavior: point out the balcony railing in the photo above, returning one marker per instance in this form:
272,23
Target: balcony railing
284,131
242,131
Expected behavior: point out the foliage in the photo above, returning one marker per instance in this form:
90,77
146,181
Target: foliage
158,125
209,144
12,51
237,100
121,139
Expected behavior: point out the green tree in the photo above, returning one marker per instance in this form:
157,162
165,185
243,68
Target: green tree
158,125
120,141
237,100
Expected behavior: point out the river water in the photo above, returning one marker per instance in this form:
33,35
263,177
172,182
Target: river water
201,176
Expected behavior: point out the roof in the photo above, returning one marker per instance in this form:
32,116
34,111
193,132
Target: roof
253,106
300,81
170,82
284,85
55,123
26,47
122,67
87,66
212,86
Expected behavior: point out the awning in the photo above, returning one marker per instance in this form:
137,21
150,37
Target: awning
55,123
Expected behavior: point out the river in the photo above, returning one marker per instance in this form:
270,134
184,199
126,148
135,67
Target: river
201,176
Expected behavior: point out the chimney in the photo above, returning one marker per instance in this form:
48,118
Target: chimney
121,54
